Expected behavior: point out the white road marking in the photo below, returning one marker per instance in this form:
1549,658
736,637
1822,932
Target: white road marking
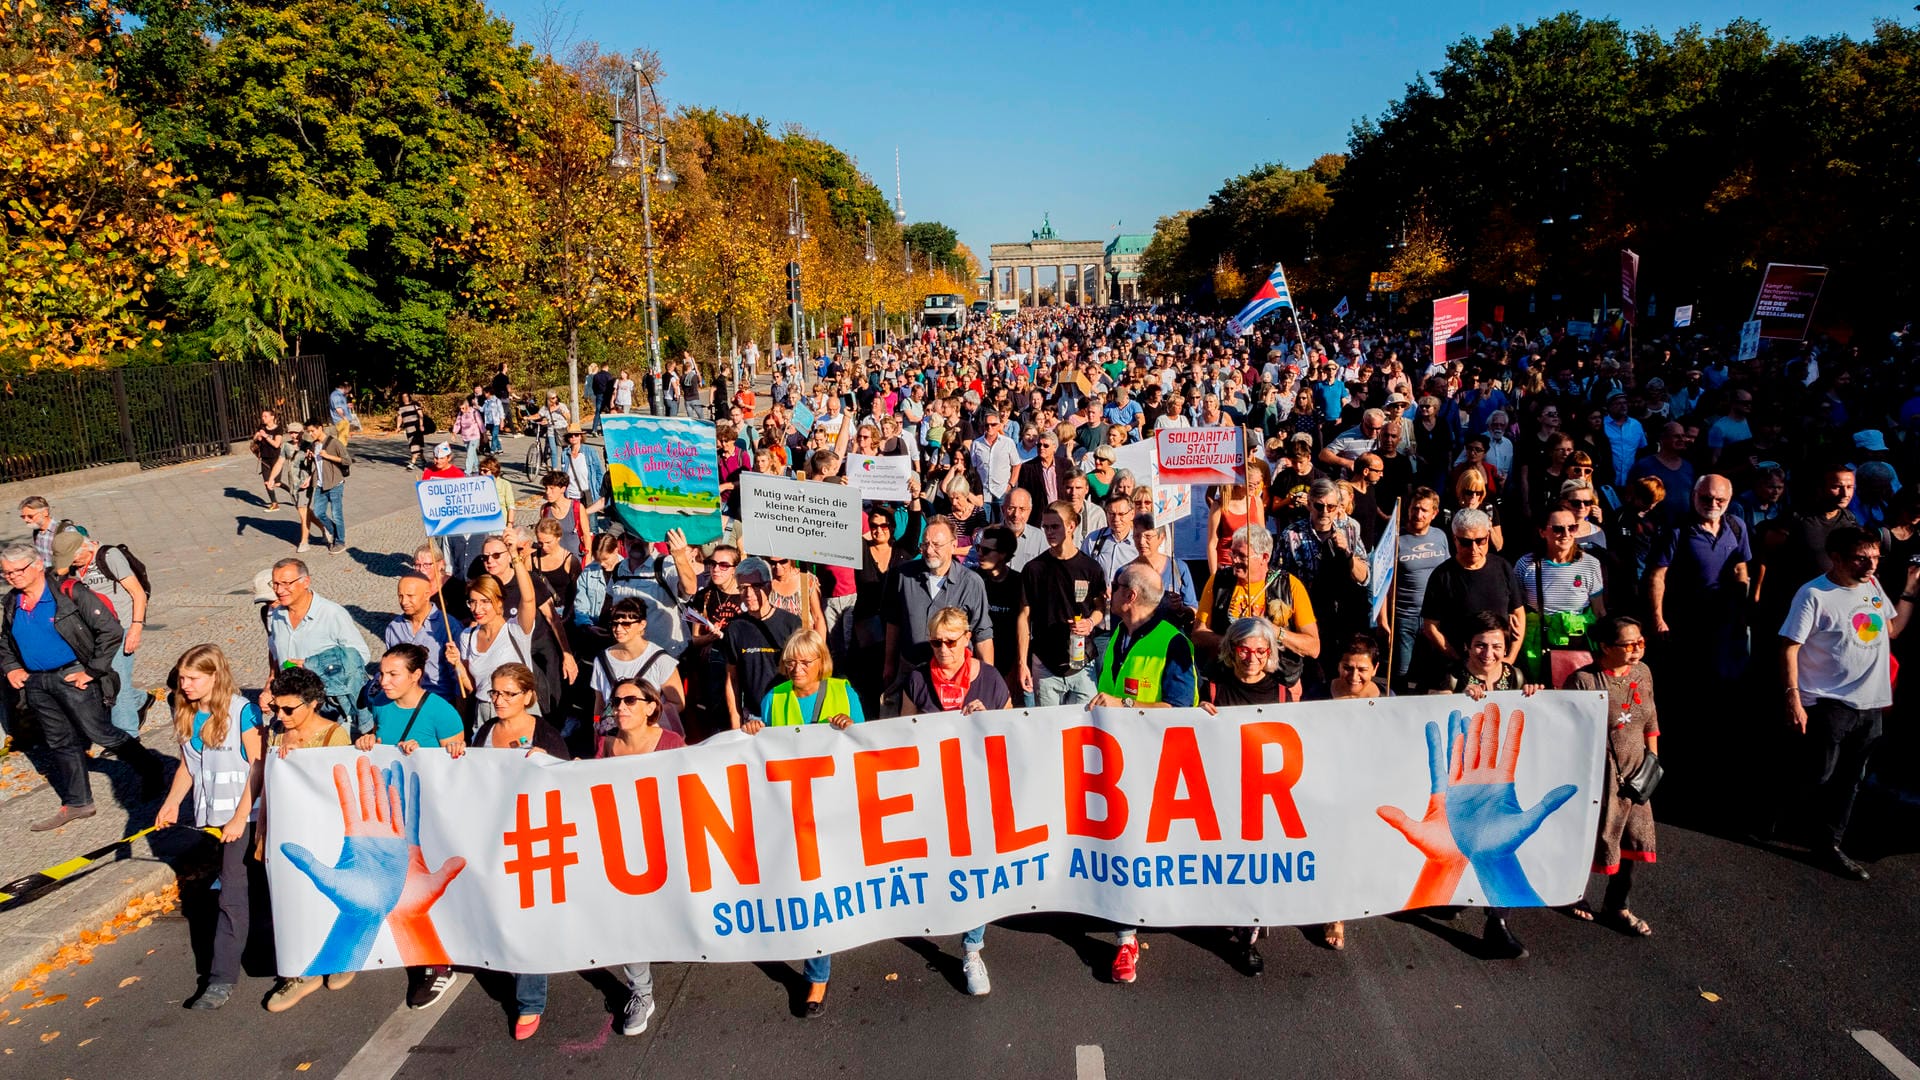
1090,1063
1896,1062
387,1050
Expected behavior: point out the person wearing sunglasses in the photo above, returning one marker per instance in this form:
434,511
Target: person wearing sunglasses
635,708
1836,662
1626,833
1562,588
295,723
632,656
811,695
515,726
220,744
491,640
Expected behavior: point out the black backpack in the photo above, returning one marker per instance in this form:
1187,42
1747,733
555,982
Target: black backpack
139,568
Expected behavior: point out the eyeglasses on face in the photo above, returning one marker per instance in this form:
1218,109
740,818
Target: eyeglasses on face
722,564
628,700
1473,541
281,709
948,643
497,694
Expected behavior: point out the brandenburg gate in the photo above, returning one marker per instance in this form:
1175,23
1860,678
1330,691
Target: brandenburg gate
1079,268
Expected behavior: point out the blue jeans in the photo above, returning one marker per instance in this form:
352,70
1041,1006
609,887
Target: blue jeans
493,438
553,448
973,939
817,969
330,506
126,707
1050,689
529,995
473,456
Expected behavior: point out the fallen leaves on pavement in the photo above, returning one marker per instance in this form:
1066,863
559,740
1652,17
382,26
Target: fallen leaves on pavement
137,914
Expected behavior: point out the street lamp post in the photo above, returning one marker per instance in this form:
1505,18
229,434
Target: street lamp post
649,137
868,224
797,228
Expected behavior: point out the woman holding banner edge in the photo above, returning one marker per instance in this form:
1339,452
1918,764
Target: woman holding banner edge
811,695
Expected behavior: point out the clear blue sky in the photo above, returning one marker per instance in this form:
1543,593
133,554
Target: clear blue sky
1119,111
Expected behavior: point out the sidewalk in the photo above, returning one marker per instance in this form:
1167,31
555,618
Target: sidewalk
203,531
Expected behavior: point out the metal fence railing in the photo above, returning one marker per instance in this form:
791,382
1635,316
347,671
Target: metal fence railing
58,421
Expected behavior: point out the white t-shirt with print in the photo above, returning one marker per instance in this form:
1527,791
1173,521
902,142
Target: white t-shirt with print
1844,648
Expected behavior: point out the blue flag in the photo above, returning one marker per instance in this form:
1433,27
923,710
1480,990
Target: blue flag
1340,309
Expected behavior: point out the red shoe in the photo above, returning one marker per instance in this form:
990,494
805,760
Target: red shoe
1126,961
524,1027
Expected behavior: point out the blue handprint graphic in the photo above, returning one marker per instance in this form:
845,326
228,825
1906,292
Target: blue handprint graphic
1484,813
367,883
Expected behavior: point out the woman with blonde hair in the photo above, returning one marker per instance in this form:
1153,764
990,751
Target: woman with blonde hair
1470,493
490,640
219,733
811,695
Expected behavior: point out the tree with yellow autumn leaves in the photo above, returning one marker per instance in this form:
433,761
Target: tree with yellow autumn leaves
93,216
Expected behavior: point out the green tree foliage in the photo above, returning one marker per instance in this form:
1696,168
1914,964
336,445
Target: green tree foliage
279,278
1163,269
1271,214
365,113
1540,150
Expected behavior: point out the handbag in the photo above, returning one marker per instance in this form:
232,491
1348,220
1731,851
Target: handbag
1555,645
1639,786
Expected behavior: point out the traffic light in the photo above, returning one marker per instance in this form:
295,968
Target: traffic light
793,283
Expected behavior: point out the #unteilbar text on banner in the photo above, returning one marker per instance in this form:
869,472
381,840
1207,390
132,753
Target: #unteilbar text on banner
802,841
665,474
460,505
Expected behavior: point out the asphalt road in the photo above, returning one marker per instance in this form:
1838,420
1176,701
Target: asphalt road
1798,959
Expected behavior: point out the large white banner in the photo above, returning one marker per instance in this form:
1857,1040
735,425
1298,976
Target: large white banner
801,841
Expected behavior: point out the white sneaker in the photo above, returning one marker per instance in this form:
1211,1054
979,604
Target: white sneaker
304,546
976,971
635,1014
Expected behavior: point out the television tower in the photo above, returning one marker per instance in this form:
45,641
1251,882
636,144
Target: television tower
899,214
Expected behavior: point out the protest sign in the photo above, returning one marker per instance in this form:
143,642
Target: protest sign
800,519
460,505
1450,328
665,474
1580,330
1139,460
880,478
802,417
1749,340
1171,502
1629,284
1683,316
1200,455
1788,294
801,841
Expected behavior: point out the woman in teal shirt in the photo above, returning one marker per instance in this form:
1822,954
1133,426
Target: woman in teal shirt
811,695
